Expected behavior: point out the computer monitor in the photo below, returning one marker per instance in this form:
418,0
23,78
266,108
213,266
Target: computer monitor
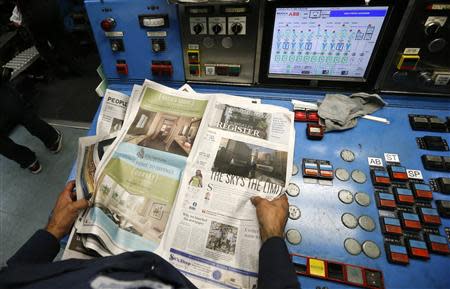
325,43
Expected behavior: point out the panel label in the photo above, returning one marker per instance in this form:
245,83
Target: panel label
114,34
156,33
375,162
414,174
411,51
391,158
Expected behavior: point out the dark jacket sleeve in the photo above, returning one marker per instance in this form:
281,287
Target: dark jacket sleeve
275,267
42,247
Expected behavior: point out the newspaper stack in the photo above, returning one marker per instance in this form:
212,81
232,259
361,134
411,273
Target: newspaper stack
172,172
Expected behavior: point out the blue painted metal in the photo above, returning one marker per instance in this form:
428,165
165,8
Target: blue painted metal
138,50
320,225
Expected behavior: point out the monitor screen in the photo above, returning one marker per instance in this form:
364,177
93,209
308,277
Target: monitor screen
324,42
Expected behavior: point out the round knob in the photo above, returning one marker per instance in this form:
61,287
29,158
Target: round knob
198,28
425,78
217,28
236,28
437,45
108,24
432,28
115,47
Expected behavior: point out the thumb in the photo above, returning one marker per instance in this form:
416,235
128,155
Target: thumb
256,200
80,204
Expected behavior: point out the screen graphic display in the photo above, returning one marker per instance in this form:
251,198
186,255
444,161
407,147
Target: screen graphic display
324,42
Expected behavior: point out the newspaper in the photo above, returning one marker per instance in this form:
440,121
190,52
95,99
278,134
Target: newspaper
177,180
244,151
112,112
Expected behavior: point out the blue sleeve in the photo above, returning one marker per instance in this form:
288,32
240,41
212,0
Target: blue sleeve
276,270
42,247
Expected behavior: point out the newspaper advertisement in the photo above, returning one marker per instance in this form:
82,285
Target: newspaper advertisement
245,150
137,183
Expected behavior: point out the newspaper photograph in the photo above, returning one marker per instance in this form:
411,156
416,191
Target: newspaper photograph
246,150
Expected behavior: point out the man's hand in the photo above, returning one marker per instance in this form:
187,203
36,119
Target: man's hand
272,216
65,212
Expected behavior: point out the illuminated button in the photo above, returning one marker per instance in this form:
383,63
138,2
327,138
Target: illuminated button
108,24
404,196
410,221
162,68
397,254
385,201
438,244
326,171
398,173
300,115
391,226
422,191
221,70
317,267
418,249
310,169
408,62
122,68
380,178
314,131
430,216
193,56
312,116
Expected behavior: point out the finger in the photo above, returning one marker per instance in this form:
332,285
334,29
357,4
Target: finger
80,204
69,186
73,195
256,201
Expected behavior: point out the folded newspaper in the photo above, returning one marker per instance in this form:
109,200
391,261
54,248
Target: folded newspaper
172,172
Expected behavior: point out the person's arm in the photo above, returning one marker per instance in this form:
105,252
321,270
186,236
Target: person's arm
276,270
43,246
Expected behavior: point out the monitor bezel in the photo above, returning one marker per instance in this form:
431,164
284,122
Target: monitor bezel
374,65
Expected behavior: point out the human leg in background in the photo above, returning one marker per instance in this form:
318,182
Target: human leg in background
50,136
18,153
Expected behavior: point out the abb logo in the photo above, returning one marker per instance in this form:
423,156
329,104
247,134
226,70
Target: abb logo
294,13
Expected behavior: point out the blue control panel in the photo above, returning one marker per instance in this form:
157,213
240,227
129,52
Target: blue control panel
137,41
320,222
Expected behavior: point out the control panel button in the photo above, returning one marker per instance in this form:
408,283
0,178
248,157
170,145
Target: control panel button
117,44
162,68
158,45
443,208
217,28
444,185
122,68
410,221
198,28
437,244
398,173
391,226
404,196
108,24
385,201
236,28
422,191
380,178
418,249
397,254
429,216
194,69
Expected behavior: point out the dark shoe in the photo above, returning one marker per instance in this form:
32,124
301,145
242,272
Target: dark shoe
57,146
35,167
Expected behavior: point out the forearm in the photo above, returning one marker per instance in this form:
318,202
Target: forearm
42,247
275,267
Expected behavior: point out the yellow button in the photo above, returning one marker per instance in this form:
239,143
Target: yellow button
317,267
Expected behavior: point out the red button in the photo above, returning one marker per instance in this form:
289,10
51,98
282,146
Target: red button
412,225
429,219
122,68
441,248
400,258
424,194
162,69
313,116
405,199
400,176
382,180
326,174
311,172
300,115
422,253
387,203
393,229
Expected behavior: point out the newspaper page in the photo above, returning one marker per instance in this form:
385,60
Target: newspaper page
112,112
244,151
136,185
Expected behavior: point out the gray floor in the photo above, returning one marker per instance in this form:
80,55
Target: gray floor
25,199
